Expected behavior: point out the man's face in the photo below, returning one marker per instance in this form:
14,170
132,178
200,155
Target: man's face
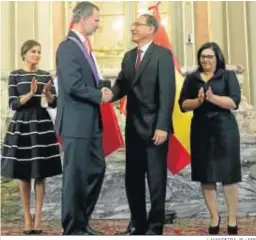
141,30
91,23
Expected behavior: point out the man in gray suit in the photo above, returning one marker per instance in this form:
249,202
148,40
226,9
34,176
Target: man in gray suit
78,122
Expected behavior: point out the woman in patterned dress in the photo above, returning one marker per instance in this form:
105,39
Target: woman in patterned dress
30,149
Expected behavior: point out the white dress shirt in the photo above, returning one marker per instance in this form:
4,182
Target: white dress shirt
144,49
81,37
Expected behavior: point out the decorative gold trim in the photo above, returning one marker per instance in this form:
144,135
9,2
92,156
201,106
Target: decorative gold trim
136,9
193,31
171,38
35,19
51,34
16,34
125,32
108,50
112,14
227,31
67,6
185,60
246,50
250,6
209,19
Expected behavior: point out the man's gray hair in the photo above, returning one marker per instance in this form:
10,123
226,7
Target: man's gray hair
83,9
151,21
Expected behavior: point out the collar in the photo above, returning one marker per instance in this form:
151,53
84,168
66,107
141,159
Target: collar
145,47
81,37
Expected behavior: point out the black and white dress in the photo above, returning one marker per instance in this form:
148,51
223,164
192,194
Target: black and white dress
30,148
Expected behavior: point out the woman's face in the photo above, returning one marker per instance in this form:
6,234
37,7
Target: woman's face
208,60
33,55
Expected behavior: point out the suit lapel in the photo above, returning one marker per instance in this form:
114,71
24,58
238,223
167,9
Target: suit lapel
86,55
145,61
132,60
73,34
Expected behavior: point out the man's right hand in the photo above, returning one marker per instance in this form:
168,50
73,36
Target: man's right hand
107,95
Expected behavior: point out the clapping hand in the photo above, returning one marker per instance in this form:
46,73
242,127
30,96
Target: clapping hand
209,94
107,95
47,91
47,88
201,95
33,86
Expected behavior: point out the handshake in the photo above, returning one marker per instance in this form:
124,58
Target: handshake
107,95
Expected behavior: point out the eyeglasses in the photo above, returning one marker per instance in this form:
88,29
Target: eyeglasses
207,56
138,24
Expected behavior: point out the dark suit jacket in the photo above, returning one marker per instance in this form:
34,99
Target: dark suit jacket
78,98
150,91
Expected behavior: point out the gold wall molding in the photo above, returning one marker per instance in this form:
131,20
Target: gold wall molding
8,37
58,25
24,26
177,32
216,24
202,23
238,39
44,33
251,11
188,28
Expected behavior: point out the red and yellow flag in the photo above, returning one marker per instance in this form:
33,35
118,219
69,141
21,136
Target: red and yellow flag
179,143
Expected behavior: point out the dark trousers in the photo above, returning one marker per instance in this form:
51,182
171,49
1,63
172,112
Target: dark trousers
143,157
83,174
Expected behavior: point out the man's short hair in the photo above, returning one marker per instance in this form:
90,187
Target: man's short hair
151,21
83,9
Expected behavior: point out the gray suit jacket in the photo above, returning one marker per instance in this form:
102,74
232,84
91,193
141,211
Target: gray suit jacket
78,109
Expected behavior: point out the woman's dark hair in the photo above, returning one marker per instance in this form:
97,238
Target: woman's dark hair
26,46
220,59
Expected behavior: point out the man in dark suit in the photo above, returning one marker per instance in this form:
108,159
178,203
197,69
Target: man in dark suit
147,79
78,122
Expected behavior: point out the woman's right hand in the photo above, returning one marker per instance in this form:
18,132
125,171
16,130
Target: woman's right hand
201,96
33,89
33,86
192,104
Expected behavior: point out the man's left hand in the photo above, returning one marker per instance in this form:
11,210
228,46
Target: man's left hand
160,137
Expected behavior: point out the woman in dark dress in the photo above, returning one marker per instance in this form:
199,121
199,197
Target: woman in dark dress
30,149
211,93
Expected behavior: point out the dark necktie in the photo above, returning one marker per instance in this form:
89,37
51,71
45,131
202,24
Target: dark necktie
138,61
